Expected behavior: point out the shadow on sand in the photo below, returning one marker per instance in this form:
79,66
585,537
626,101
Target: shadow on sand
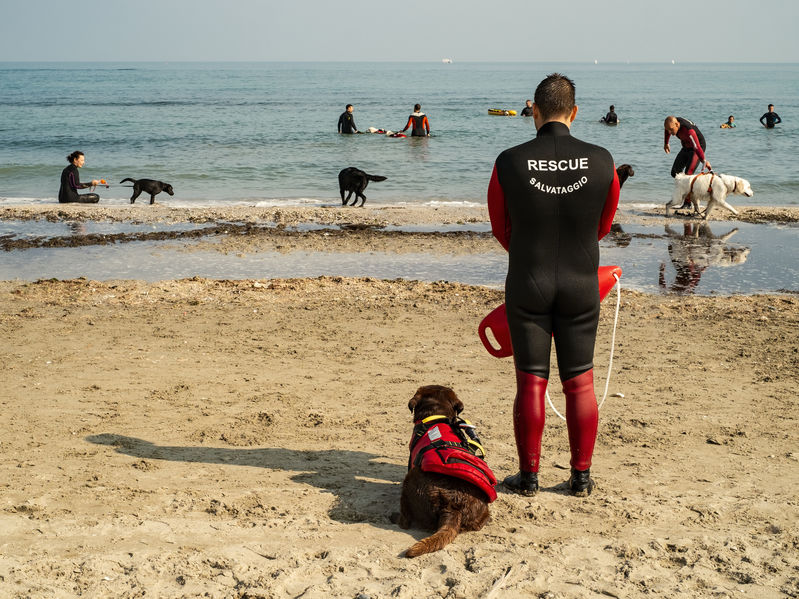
366,487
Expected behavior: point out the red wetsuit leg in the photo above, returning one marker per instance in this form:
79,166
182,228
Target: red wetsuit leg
693,164
529,412
582,417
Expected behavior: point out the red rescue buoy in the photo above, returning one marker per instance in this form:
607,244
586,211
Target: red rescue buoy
497,319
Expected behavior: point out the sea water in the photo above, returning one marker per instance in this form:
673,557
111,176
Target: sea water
265,133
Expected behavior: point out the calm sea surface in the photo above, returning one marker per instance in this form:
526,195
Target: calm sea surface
265,133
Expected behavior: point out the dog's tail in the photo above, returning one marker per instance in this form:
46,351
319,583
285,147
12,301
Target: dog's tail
128,179
376,177
449,524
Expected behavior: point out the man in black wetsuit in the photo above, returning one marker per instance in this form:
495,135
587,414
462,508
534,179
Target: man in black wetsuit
70,182
550,200
528,108
611,118
771,118
346,122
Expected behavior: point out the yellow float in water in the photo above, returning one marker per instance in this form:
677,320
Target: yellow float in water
501,112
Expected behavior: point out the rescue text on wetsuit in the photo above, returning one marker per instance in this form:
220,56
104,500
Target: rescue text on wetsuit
560,194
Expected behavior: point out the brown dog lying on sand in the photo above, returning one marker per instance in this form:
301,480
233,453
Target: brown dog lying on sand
443,443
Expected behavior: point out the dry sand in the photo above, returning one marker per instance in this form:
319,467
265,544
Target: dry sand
248,439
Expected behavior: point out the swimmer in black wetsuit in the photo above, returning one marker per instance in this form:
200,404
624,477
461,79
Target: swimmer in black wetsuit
771,118
70,182
550,200
346,122
611,118
528,108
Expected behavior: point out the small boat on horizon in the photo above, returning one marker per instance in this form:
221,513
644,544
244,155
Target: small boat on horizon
446,60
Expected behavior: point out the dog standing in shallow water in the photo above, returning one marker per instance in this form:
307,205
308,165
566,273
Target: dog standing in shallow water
710,187
431,500
148,186
354,180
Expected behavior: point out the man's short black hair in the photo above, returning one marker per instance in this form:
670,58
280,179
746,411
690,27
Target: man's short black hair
554,96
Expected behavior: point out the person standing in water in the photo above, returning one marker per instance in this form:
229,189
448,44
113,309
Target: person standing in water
418,123
346,122
611,118
770,118
550,200
70,182
528,108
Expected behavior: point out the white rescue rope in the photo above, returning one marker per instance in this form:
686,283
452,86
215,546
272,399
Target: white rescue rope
612,347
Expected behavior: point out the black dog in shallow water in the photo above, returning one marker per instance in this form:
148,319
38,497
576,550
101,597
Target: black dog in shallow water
354,180
148,186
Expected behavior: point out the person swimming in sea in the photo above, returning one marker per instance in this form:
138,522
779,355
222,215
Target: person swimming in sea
730,124
70,182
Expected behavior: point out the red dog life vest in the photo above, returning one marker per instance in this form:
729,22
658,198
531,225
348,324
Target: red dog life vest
436,447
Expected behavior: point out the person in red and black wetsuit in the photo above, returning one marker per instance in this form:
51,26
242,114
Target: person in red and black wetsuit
70,182
418,123
550,200
693,145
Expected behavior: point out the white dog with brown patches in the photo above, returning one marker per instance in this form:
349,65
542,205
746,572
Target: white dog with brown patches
711,188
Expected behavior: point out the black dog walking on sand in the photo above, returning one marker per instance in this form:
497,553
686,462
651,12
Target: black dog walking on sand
354,180
148,186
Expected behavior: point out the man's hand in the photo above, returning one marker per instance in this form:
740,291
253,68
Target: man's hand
667,149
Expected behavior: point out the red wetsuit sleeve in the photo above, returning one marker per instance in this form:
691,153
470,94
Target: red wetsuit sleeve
611,203
409,124
498,211
697,147
426,124
666,138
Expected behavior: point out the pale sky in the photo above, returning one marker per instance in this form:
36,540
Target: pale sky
378,30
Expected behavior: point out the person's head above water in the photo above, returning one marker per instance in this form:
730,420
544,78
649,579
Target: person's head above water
554,100
348,108
671,124
417,107
77,158
612,108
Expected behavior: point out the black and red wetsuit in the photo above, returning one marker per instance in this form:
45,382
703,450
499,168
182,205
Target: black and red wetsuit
560,195
419,125
693,147
550,200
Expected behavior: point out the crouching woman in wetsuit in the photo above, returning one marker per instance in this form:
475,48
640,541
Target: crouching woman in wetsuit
550,200
70,182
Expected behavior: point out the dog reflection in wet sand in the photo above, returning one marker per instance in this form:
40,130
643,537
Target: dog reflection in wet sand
696,250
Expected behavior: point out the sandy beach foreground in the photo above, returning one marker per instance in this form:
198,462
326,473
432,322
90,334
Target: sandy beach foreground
248,439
